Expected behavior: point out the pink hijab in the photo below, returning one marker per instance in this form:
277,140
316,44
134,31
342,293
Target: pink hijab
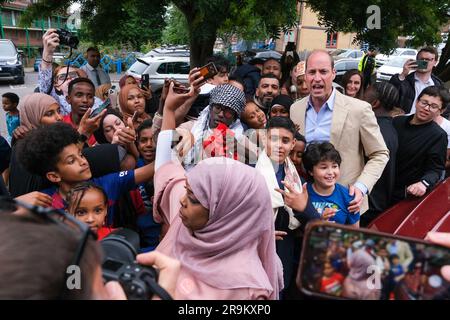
236,249
33,107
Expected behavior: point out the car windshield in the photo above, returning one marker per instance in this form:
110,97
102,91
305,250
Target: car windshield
138,67
397,62
7,49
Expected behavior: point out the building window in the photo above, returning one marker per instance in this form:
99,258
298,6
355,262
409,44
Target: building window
332,40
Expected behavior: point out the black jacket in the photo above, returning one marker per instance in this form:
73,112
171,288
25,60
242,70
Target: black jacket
251,76
407,90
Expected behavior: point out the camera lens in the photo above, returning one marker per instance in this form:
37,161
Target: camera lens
121,245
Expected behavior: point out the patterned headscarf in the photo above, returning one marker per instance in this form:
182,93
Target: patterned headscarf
228,96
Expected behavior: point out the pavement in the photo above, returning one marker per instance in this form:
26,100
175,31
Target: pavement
31,82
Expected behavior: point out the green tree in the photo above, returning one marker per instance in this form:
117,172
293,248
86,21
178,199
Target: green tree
176,29
206,17
203,17
418,19
130,23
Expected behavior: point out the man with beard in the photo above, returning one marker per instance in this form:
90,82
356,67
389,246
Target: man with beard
268,89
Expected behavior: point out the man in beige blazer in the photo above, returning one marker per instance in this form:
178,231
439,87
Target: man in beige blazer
348,123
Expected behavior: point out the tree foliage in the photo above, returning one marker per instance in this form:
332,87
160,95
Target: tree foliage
419,20
128,22
176,31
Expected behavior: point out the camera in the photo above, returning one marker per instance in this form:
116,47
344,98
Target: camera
139,282
67,38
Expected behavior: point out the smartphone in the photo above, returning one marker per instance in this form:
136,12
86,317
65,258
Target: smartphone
342,262
180,89
145,81
422,64
103,106
208,71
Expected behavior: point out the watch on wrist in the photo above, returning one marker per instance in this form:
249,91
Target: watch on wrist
425,183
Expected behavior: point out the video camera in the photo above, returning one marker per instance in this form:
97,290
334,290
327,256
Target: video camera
139,282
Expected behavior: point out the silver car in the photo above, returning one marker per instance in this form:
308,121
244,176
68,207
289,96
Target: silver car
160,67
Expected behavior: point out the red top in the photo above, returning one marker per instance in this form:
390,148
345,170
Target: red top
103,232
68,119
333,284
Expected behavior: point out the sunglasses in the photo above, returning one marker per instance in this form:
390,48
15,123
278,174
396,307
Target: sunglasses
227,112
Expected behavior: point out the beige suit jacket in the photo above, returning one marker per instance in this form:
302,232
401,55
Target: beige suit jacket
356,135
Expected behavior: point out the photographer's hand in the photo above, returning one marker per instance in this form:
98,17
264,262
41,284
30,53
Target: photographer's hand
169,269
50,41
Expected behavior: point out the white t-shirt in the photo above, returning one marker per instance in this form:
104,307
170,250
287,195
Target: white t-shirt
446,126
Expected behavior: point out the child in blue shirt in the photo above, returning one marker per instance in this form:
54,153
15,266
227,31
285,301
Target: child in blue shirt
322,161
10,101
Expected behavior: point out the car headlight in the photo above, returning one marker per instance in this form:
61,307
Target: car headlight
11,62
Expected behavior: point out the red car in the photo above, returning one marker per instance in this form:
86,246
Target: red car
416,217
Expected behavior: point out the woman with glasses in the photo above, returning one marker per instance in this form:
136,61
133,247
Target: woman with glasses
55,82
218,219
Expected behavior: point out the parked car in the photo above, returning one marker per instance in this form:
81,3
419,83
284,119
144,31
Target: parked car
349,53
415,217
381,59
11,66
393,66
173,51
37,62
270,54
342,66
159,68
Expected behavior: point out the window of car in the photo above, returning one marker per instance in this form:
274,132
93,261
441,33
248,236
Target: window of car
138,67
7,49
173,68
340,66
359,54
351,65
178,68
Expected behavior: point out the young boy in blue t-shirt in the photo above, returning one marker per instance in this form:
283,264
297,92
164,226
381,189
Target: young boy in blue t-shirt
322,161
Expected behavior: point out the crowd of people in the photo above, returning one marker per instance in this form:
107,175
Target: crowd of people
343,264
218,177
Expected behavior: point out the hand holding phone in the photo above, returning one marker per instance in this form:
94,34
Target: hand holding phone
103,106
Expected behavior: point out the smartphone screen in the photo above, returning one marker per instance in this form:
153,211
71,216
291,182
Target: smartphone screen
340,262
208,71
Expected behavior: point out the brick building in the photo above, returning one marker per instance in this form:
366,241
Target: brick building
28,39
309,35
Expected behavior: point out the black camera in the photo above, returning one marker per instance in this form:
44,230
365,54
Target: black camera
139,282
67,38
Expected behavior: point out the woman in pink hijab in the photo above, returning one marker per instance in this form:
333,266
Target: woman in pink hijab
220,225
